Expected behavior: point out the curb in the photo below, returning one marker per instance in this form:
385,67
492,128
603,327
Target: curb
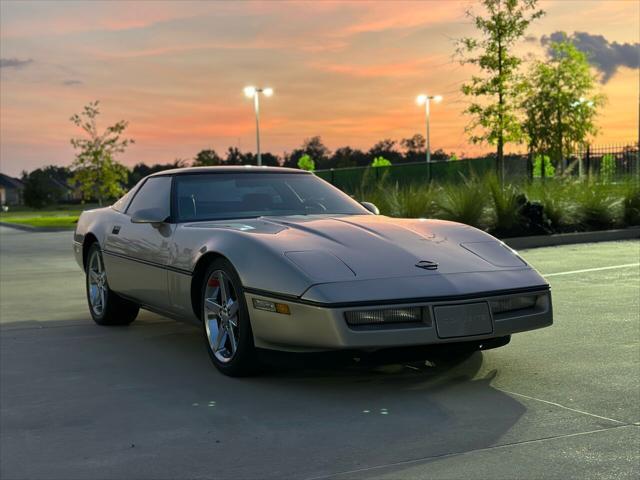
536,241
29,228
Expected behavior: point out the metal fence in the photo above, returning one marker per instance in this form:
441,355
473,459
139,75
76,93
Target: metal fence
350,179
611,160
591,161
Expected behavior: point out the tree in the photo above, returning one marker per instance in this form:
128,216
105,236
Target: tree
96,172
270,160
313,147
60,175
414,148
234,156
345,157
141,170
207,158
45,186
495,110
316,150
306,163
441,156
413,144
560,104
385,148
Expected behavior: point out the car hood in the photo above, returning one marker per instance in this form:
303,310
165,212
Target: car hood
367,247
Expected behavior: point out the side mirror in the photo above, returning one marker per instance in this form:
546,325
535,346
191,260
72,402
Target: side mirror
371,207
155,216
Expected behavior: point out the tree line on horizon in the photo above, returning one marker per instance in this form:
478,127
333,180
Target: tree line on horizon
406,150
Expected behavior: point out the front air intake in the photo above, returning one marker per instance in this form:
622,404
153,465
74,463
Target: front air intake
389,317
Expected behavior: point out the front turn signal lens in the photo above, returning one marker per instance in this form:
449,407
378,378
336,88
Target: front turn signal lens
283,308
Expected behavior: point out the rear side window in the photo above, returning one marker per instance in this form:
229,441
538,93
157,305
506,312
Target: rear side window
154,193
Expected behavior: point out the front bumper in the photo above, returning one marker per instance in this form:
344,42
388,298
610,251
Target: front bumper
311,327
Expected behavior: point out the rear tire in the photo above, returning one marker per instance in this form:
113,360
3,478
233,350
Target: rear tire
225,321
105,306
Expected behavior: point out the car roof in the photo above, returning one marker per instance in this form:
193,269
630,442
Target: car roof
228,169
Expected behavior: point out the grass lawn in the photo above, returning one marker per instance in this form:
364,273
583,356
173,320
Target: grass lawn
62,216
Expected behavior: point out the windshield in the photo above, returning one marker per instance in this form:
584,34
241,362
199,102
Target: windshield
220,196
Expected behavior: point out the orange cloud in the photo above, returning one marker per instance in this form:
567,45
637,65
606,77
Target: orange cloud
379,16
396,69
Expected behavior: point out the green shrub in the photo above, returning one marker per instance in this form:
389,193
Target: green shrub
552,195
380,162
413,201
306,163
567,204
408,201
596,208
372,189
555,210
464,202
538,162
631,206
607,168
507,204
378,198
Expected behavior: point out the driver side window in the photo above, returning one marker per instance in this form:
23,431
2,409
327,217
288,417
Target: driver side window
155,193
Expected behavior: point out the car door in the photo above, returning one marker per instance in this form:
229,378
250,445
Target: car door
136,254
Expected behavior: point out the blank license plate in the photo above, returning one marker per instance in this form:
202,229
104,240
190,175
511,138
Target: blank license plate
463,320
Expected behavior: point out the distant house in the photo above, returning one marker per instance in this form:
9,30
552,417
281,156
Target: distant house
10,190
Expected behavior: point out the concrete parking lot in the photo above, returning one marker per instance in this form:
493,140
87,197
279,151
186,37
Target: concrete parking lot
143,402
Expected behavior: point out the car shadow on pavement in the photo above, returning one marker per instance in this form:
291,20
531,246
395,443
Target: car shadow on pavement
152,385
77,396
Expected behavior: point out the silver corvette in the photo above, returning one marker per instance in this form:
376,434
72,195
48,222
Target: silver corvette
275,258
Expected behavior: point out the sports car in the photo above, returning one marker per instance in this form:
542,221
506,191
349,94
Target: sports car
276,258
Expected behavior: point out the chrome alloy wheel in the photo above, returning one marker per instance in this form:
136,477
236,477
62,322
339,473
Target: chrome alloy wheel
221,316
98,288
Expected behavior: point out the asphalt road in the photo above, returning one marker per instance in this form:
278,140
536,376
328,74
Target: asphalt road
82,401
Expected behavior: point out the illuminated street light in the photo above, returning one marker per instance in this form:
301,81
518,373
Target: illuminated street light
425,100
253,92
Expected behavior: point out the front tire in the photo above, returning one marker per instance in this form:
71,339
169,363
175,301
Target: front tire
225,321
105,306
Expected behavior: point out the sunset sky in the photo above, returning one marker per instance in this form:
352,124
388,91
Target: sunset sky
347,71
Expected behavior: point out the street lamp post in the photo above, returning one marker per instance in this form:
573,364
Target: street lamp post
253,92
426,101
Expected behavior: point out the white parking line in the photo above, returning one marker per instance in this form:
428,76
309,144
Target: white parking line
565,407
626,265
